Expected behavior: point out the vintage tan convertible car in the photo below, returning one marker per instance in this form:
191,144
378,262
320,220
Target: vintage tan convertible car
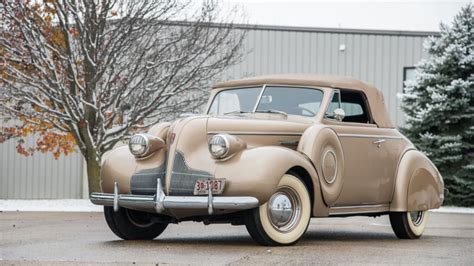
271,153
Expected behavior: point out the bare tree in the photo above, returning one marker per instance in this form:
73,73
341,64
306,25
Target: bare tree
98,70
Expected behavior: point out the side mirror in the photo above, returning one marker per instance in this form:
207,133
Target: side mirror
266,99
339,114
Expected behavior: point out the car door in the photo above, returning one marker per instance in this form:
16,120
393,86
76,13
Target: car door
365,155
388,146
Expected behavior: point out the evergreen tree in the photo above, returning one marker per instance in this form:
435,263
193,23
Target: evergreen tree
439,106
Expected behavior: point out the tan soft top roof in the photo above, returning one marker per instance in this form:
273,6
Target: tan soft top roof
374,96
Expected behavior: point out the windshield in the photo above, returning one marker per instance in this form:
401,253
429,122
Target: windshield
235,100
274,99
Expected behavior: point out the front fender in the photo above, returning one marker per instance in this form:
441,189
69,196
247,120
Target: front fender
256,172
120,166
418,185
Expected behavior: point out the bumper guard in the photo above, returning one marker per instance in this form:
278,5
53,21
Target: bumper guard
160,202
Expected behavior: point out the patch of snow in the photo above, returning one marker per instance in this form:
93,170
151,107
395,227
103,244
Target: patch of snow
454,209
379,224
59,205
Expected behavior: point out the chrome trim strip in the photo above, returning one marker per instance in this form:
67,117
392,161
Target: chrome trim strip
334,91
175,202
191,174
255,133
341,210
259,97
289,143
359,206
357,212
368,136
160,202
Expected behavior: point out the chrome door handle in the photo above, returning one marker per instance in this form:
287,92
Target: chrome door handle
379,141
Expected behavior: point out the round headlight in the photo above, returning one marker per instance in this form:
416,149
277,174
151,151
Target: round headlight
138,145
219,146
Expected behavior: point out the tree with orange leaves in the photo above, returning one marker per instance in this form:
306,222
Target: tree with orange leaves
86,74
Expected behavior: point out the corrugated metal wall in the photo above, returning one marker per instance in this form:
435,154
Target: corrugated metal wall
39,176
374,56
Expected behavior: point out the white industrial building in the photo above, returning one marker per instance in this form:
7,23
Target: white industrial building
383,58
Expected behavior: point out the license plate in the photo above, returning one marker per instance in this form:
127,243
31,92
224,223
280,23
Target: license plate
202,186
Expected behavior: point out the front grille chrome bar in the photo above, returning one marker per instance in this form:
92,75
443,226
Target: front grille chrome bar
160,202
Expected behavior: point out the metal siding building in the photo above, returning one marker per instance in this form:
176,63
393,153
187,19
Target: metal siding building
378,57
39,176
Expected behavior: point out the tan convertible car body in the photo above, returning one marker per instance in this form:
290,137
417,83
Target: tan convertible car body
270,153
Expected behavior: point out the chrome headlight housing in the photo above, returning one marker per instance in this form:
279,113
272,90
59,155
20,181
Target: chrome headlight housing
219,146
138,145
143,145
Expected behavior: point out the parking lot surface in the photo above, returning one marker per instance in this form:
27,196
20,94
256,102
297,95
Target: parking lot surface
83,238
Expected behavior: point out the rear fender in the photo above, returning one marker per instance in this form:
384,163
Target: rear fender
418,185
257,172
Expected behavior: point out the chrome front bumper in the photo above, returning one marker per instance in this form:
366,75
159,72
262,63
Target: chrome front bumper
160,202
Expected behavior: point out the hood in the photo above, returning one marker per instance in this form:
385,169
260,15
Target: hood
188,155
258,124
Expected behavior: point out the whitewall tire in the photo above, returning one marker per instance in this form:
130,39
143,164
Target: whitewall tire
285,217
409,225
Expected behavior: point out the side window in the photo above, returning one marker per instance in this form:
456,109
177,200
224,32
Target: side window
352,109
354,105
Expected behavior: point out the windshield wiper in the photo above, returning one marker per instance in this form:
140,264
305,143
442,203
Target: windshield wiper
272,111
235,112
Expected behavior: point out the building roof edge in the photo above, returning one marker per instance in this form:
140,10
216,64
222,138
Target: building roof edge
316,29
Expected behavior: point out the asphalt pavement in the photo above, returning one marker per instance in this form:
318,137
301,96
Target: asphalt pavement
84,238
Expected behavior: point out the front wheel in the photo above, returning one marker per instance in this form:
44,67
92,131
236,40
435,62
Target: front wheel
132,225
408,225
285,217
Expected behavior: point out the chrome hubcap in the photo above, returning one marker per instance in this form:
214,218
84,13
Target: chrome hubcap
416,217
284,209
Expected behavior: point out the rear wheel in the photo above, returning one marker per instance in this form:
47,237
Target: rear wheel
285,217
131,225
409,225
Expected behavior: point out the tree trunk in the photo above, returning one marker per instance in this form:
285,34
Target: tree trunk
93,175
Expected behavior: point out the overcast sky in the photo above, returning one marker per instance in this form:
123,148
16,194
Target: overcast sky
393,15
